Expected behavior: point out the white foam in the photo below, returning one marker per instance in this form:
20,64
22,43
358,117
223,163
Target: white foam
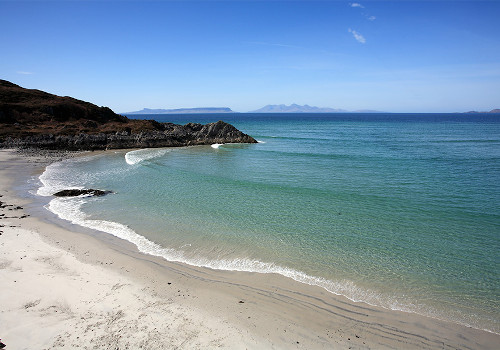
216,145
137,156
259,141
54,179
70,209
62,175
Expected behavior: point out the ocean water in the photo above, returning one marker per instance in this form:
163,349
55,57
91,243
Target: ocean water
396,210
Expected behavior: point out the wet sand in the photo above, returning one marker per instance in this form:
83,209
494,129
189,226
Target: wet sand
64,286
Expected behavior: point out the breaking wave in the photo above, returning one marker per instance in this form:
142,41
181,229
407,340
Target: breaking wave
137,156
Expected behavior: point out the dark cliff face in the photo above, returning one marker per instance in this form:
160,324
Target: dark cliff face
36,119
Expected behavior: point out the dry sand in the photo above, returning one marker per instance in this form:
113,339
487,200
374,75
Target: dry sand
66,287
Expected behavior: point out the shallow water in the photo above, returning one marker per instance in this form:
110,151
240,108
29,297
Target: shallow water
396,210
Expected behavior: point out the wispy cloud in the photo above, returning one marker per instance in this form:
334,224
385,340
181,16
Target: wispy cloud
356,4
357,36
24,72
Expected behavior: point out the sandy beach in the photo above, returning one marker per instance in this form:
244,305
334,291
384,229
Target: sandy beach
66,287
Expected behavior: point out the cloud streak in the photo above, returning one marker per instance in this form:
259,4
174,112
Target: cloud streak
24,72
358,5
360,38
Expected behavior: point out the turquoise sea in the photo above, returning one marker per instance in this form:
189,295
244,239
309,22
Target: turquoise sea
396,210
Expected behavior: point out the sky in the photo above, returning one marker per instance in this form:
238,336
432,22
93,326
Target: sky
394,56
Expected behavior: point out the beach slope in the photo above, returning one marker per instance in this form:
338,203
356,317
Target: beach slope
67,287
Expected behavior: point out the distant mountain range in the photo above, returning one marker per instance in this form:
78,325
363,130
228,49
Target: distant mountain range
183,110
294,108
492,111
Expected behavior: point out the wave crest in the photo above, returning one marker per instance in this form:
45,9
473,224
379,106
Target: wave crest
140,155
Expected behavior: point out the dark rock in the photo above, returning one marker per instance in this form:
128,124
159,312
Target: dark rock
39,120
172,136
90,124
77,192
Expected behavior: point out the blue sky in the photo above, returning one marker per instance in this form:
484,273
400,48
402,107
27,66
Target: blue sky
396,56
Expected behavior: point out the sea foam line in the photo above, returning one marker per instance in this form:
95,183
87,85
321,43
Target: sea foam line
137,156
70,209
54,180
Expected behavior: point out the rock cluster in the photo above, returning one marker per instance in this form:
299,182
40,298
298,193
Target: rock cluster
73,192
166,135
36,119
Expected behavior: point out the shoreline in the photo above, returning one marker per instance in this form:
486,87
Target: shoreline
220,308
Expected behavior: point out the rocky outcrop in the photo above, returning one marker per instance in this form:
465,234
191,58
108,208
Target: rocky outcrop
169,135
73,192
36,119
20,105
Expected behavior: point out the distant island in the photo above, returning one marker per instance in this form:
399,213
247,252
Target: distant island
295,108
183,111
497,110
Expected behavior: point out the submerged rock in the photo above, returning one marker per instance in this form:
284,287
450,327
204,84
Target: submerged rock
77,192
